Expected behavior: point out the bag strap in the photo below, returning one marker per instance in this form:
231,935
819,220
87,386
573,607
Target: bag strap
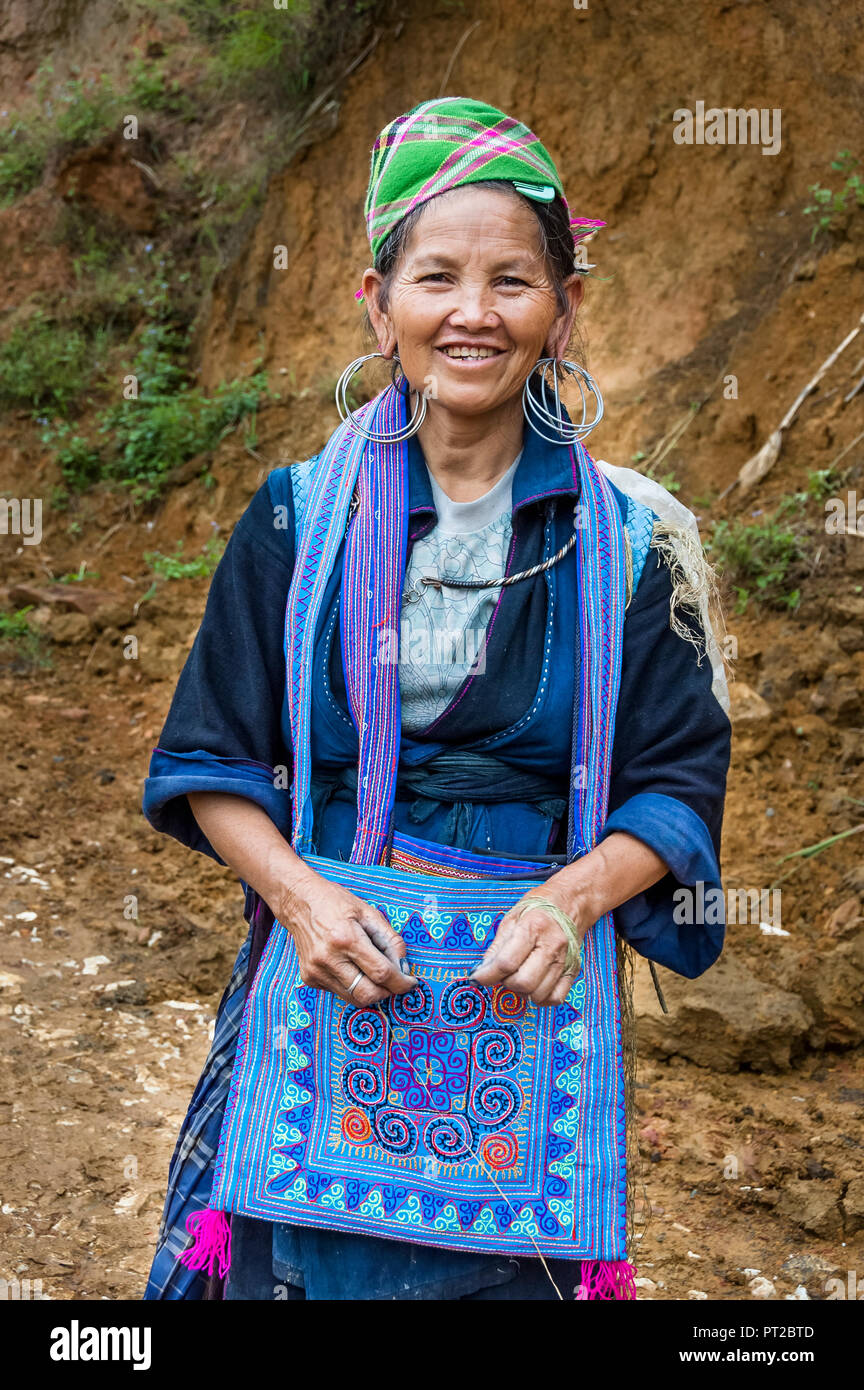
324,496
601,601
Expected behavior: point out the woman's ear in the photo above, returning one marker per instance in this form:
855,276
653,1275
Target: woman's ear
372,284
562,328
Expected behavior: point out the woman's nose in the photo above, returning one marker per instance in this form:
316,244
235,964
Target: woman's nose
474,310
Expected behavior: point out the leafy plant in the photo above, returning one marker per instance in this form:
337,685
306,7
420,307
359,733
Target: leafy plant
26,645
822,483
170,420
149,88
667,480
78,112
249,43
45,366
85,110
762,559
275,50
157,433
14,626
22,159
78,576
829,205
757,559
79,461
175,567
74,113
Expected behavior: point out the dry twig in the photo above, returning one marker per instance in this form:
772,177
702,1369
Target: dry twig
761,463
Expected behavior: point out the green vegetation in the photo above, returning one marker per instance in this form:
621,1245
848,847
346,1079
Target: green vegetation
667,480
170,421
158,432
51,367
175,567
821,483
79,112
830,205
79,461
22,159
19,640
74,113
45,365
104,367
757,558
78,576
765,560
136,441
150,89
14,627
146,438
250,43
110,281
276,49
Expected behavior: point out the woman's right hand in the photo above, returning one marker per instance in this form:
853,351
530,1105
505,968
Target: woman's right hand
338,935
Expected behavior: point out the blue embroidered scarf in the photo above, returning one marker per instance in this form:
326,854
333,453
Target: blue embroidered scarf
457,1114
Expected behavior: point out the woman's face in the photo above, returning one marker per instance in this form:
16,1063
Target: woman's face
471,305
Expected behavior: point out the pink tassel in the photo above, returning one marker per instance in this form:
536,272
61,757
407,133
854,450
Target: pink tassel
212,1243
608,1279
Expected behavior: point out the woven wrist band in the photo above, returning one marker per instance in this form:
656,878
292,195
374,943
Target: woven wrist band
573,963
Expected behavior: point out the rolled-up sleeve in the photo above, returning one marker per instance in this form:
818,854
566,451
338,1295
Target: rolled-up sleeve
670,761
224,727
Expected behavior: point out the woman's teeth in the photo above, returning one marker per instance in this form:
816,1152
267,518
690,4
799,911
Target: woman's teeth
470,352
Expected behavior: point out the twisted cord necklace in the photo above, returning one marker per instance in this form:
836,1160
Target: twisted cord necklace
437,581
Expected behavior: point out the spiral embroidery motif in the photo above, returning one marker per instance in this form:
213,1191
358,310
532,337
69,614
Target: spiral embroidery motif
362,1030
416,1007
500,1150
356,1127
499,1051
364,1084
495,1101
395,1131
462,1004
449,1138
508,1006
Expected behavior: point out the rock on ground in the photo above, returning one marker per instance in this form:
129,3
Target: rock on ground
726,1019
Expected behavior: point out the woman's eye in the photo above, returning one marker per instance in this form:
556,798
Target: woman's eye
511,280
434,275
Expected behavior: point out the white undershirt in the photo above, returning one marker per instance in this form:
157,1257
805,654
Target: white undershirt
442,633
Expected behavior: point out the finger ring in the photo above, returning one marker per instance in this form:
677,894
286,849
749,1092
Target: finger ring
355,982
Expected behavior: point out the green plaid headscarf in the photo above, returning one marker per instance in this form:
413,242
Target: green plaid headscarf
451,141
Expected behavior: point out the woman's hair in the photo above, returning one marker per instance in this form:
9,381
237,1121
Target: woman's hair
556,244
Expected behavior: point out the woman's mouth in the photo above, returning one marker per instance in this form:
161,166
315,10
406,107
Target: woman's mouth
467,355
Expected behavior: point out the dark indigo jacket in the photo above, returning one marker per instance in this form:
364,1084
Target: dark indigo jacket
228,730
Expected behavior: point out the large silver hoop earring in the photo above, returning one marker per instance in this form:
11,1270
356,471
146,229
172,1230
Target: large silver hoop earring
394,436
542,418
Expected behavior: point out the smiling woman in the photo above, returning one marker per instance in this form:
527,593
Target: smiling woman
454,713
473,301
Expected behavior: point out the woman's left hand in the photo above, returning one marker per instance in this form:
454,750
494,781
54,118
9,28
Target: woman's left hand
529,950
